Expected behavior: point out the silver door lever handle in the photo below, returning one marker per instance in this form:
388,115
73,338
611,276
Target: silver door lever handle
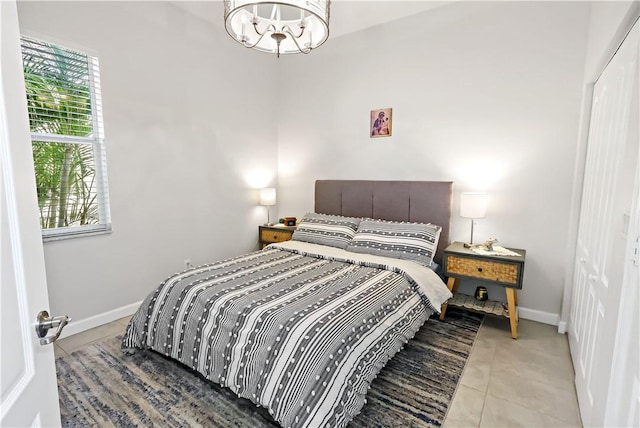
44,322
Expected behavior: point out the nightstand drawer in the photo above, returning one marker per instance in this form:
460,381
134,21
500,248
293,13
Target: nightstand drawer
271,236
503,272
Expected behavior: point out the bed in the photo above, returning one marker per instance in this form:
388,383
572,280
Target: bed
303,327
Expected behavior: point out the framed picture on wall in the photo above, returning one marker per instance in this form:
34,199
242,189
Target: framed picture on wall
380,123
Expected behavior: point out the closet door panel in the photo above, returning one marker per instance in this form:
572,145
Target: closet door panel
599,263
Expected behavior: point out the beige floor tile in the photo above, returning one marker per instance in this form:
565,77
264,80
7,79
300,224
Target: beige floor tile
546,359
125,321
525,385
465,409
499,328
534,335
498,413
71,343
476,373
58,351
538,330
525,382
495,326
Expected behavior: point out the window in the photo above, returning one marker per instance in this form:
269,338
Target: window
65,117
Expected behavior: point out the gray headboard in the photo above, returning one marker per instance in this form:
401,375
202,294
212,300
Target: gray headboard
416,201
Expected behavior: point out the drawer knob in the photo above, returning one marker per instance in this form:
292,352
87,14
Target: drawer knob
479,269
275,236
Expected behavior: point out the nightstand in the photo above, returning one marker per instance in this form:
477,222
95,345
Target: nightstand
277,233
504,271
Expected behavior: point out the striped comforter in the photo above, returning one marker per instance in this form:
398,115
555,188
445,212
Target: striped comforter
298,328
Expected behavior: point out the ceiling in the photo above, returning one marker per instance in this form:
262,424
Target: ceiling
347,16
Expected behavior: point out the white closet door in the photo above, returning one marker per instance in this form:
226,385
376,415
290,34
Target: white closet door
623,403
623,406
602,252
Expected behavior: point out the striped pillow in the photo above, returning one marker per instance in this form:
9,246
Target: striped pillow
400,240
324,229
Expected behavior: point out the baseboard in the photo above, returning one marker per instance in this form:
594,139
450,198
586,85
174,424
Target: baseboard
78,326
538,316
562,327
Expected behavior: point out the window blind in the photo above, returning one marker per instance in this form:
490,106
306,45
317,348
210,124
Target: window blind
65,118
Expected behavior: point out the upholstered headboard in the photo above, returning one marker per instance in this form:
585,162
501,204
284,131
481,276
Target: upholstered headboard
416,201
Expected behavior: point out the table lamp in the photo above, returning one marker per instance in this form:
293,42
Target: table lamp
268,198
473,205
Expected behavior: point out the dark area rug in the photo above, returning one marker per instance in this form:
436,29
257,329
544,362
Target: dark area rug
101,386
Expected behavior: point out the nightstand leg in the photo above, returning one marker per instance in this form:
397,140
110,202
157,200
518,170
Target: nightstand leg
452,285
511,302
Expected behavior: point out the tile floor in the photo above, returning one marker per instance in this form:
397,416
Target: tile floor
527,382
69,344
507,383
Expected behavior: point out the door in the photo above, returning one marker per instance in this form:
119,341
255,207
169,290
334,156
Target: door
623,407
27,369
602,252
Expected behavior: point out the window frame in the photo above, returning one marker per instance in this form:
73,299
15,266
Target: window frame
97,142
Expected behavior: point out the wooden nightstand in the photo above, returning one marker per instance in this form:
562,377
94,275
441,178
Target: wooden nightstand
505,271
278,233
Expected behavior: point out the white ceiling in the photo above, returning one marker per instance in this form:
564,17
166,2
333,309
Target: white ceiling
347,16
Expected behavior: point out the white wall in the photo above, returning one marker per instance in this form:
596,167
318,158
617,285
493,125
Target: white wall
188,125
484,94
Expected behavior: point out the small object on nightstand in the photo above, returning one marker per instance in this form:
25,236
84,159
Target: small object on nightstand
488,244
481,294
505,308
290,221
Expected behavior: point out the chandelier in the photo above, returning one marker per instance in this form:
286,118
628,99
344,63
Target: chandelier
280,26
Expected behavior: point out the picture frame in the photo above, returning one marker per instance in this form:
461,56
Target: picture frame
380,125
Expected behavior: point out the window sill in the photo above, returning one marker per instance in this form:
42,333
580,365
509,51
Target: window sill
52,235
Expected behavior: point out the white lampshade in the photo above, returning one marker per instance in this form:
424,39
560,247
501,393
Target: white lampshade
473,204
268,196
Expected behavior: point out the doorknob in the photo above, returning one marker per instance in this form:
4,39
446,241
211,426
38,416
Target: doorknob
44,322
